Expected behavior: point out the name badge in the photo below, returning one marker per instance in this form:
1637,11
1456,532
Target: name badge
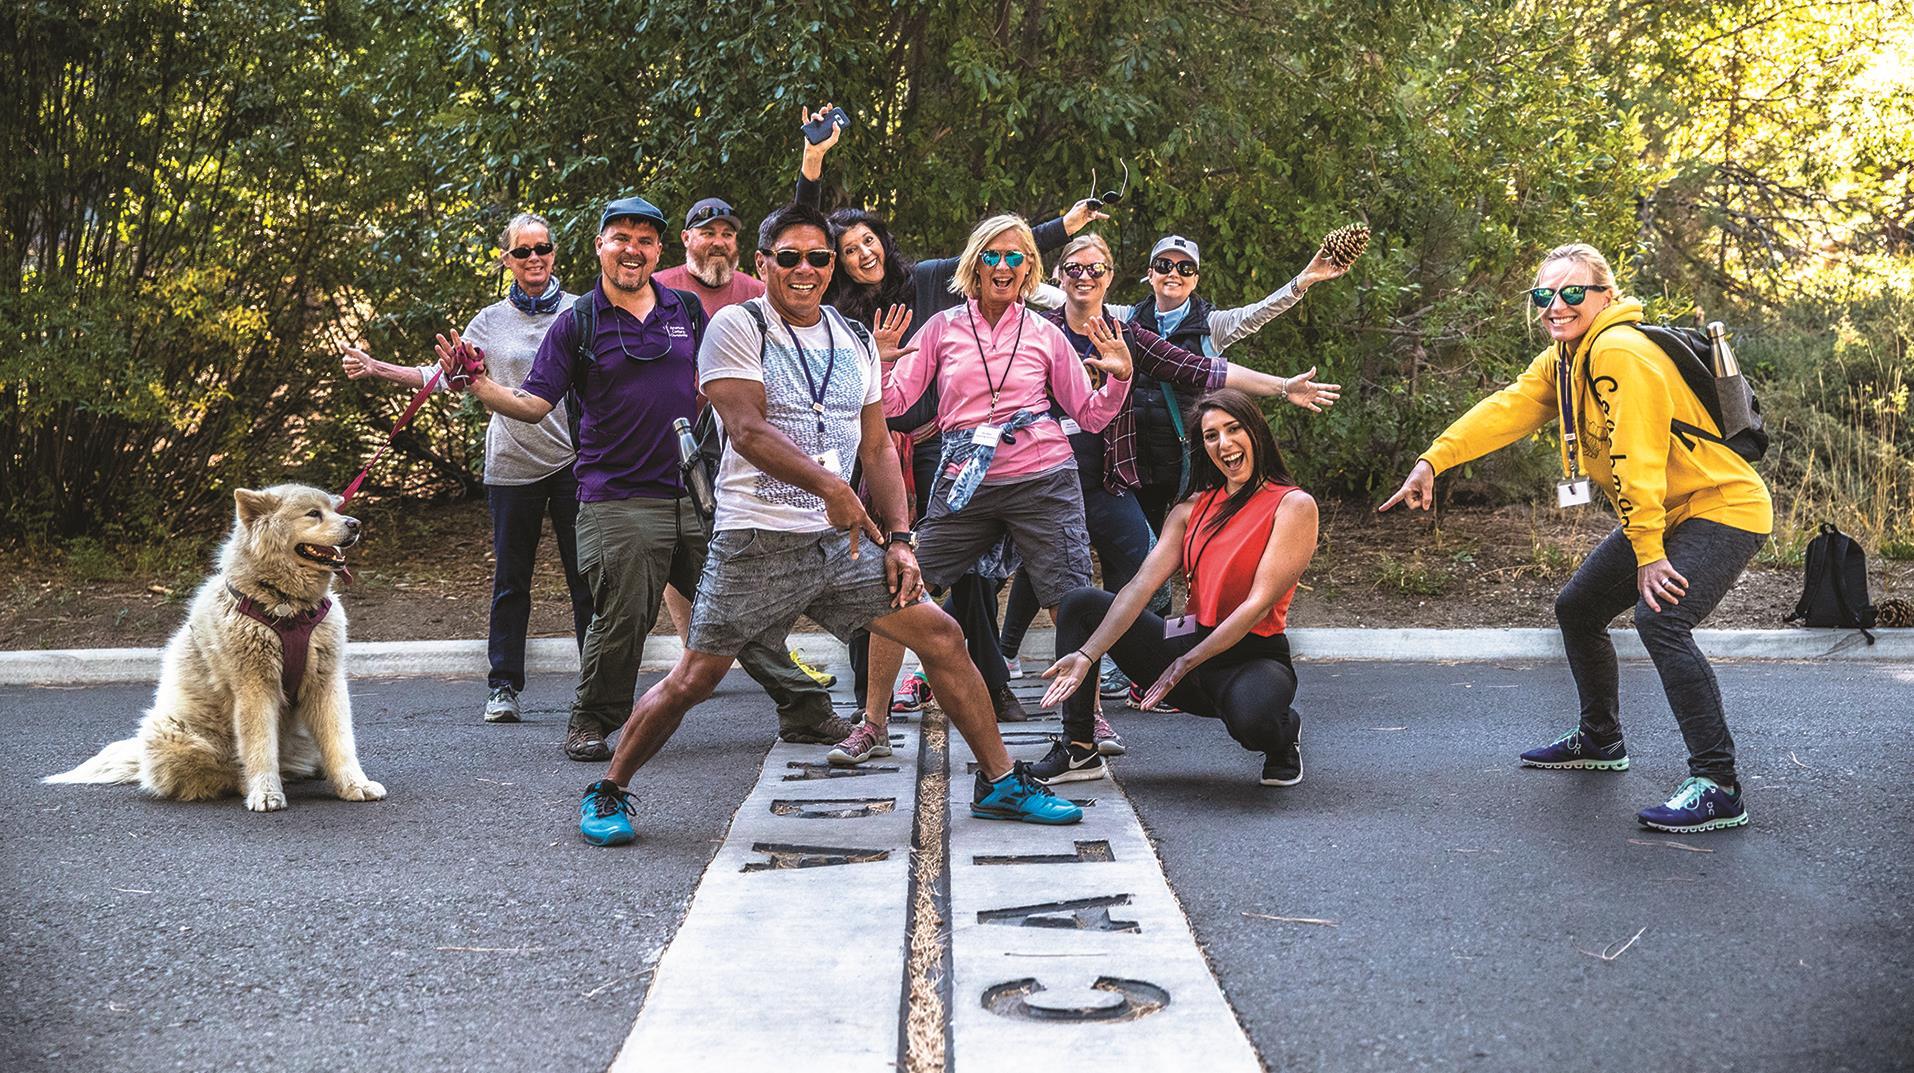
987,435
1179,626
1070,428
1575,493
829,461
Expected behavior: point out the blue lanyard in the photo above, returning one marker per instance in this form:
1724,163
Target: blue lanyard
818,393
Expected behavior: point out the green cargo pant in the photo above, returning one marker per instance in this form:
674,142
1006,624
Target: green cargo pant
629,550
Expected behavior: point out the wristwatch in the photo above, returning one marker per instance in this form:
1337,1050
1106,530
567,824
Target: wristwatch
907,536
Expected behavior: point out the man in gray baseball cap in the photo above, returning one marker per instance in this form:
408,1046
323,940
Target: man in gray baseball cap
711,267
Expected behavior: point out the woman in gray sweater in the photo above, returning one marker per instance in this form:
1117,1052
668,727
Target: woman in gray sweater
528,467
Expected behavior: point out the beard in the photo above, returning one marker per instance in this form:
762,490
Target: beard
714,271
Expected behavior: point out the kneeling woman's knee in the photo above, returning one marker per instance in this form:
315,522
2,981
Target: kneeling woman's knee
1087,601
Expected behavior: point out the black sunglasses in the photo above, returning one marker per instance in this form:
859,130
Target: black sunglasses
1108,197
1095,270
542,249
1165,266
1572,294
790,258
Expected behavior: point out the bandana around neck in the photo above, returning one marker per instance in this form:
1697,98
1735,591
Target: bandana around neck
544,303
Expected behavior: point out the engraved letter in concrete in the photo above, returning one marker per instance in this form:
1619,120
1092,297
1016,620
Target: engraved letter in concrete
783,855
1097,852
1108,999
832,808
1082,914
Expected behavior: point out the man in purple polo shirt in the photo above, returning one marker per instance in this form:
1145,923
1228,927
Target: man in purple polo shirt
636,530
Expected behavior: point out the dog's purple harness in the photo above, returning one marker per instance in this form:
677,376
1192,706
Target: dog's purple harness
295,637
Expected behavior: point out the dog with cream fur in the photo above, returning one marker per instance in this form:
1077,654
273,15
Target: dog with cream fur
252,687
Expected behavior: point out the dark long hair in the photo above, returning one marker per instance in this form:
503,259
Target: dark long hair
861,301
1266,459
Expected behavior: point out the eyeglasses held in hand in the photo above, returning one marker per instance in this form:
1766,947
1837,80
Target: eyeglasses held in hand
1163,266
1095,270
814,258
542,249
993,258
1572,294
1108,197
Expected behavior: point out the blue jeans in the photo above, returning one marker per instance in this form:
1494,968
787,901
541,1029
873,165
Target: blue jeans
1122,538
518,520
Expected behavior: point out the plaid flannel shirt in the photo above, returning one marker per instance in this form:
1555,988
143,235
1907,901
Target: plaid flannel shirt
1156,357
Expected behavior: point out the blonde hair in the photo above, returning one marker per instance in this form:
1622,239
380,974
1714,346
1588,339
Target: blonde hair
516,223
1582,254
968,279
1082,242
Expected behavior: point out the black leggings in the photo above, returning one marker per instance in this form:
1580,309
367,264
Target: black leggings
1248,687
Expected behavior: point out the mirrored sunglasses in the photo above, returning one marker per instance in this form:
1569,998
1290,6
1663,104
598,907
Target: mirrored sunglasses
993,258
1163,266
1572,294
1095,270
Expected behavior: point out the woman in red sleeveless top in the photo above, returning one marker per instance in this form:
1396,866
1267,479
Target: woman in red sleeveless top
1241,542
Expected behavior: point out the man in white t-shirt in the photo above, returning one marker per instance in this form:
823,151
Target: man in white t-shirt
800,394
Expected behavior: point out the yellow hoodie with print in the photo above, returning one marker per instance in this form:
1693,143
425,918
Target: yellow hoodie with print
1654,479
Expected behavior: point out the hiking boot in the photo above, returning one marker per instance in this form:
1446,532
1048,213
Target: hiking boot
587,746
1009,708
815,675
1068,762
1284,767
1699,805
1163,706
912,693
1112,682
1017,796
604,815
862,743
831,730
1108,743
1577,750
502,705
1013,666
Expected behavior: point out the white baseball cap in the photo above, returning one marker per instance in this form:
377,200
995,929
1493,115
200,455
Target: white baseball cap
1177,243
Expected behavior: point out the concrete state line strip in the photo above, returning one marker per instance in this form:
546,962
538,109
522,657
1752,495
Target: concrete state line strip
558,655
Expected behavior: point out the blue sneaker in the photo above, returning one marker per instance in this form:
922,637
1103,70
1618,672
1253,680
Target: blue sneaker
604,816
1017,796
1577,750
1698,805
1112,682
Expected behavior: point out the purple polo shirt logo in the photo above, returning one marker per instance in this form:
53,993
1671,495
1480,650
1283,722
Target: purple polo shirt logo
677,331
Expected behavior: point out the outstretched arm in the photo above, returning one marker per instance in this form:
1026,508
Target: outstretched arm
1072,668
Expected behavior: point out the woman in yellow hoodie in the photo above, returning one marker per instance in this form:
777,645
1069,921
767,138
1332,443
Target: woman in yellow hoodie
1693,513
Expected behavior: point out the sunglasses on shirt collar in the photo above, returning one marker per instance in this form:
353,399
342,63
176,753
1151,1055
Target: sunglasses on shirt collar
1163,266
993,258
1572,294
790,258
541,249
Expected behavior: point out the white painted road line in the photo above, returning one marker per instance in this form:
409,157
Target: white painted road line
1078,957
555,655
792,953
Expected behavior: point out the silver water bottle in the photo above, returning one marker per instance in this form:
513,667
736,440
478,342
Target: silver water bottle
1731,389
691,466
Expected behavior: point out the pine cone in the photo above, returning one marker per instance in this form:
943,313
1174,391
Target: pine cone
1345,244
1894,611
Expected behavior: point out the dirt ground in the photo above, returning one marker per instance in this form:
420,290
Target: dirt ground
424,573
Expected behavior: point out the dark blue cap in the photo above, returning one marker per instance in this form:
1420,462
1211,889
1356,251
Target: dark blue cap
636,207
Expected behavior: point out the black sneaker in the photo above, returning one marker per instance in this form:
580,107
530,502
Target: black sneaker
587,746
1284,767
1067,762
1009,708
832,730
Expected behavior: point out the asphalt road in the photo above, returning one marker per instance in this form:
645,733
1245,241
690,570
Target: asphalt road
461,925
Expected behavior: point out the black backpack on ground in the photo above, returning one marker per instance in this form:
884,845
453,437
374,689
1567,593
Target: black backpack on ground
1835,592
1694,358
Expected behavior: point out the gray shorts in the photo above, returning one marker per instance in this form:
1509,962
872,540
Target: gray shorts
1043,516
757,582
